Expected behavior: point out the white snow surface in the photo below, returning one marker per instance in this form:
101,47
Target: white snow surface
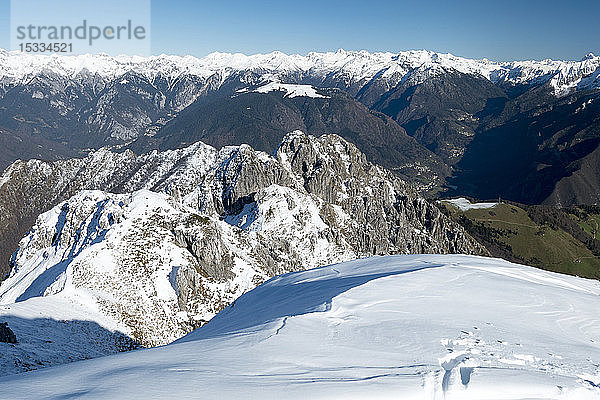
464,204
354,67
57,330
409,327
290,90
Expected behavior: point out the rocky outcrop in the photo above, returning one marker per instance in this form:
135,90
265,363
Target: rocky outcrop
6,334
161,264
370,208
224,181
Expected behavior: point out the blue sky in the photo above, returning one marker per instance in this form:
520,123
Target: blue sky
498,30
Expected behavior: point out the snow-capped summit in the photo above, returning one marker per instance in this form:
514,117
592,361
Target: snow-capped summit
359,67
588,56
290,90
192,229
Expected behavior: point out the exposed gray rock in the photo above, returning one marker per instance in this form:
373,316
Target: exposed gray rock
6,334
386,216
164,263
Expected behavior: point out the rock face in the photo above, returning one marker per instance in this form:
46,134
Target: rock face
161,264
261,119
29,188
6,334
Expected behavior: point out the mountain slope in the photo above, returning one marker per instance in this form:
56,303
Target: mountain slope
155,268
442,109
424,327
227,182
17,145
261,116
540,149
541,236
450,105
157,265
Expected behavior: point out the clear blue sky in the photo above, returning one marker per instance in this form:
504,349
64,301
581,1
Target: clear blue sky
499,30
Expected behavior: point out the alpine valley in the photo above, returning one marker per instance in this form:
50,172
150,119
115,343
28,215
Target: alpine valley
264,217
440,121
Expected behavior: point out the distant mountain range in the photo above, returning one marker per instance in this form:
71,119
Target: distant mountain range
525,130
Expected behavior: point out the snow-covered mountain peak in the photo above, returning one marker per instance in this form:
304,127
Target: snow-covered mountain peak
589,56
194,228
290,90
356,66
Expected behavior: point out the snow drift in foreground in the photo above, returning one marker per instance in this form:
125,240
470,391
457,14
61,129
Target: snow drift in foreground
425,326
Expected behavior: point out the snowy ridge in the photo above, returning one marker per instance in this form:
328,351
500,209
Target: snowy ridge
354,67
412,327
124,255
158,265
